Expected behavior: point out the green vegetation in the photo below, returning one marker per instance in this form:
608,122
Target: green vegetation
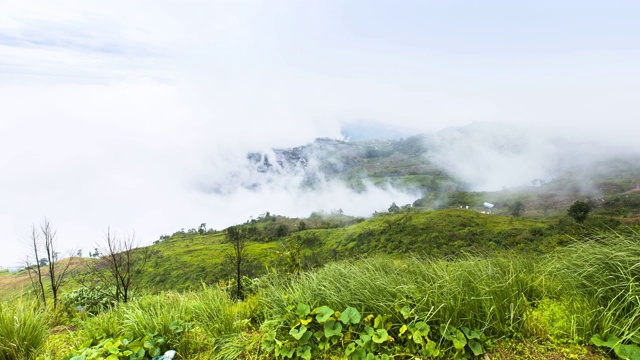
579,210
386,307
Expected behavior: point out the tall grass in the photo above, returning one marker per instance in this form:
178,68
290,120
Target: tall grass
598,280
23,331
168,315
492,294
214,311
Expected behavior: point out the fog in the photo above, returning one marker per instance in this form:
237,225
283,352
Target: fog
124,115
492,156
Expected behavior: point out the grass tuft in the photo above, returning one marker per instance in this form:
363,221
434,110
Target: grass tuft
599,281
23,331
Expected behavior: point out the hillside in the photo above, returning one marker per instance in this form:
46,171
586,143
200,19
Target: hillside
484,265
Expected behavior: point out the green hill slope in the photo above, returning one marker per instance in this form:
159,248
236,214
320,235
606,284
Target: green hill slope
185,260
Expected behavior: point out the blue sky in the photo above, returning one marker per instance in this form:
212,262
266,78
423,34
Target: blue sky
112,109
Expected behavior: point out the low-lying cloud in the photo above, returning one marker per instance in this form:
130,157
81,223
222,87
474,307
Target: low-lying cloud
494,156
140,156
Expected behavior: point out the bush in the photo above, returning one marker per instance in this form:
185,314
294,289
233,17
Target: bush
91,301
517,209
579,210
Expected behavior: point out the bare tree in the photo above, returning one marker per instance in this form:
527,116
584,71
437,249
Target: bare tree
238,242
116,266
56,271
123,261
35,271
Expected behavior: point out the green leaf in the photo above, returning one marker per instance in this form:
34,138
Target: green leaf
431,349
350,316
154,352
135,346
323,313
332,328
324,344
405,311
297,333
302,310
471,334
628,352
380,336
456,336
148,344
402,330
359,354
287,352
419,331
379,322
610,341
459,342
305,337
350,349
304,352
476,347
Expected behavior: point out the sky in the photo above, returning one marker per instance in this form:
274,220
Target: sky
113,114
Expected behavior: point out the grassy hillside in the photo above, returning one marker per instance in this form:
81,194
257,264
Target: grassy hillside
185,260
498,306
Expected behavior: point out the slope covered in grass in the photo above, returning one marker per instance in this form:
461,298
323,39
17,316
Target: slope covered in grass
185,260
472,306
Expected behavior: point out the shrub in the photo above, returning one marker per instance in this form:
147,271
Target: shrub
579,210
91,301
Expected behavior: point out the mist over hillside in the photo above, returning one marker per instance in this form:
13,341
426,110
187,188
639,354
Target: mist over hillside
493,156
482,156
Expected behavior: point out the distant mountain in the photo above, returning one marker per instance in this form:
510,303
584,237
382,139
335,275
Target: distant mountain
402,163
480,156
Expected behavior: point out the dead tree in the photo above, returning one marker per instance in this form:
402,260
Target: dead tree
124,261
49,266
238,242
38,270
35,274
115,267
